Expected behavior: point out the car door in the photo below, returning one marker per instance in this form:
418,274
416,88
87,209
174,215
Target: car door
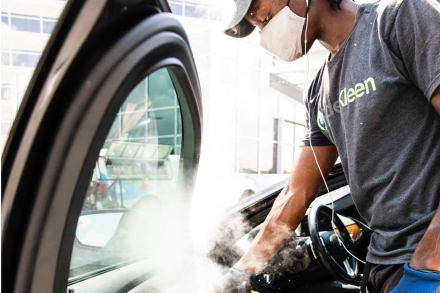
108,134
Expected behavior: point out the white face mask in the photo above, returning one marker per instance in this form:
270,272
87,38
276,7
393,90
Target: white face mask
282,35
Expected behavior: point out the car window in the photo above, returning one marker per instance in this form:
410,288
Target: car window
134,180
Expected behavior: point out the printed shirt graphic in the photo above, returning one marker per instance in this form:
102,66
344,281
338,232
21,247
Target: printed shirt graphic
372,101
321,121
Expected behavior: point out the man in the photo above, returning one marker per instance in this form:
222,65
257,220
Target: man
375,103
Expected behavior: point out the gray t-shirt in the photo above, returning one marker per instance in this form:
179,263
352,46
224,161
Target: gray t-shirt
372,101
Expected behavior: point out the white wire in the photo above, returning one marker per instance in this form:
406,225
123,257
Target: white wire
310,140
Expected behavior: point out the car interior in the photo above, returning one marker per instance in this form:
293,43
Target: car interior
300,265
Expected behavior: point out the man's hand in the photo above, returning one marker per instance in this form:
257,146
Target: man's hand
427,254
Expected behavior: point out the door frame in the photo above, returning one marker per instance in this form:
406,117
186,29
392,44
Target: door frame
59,153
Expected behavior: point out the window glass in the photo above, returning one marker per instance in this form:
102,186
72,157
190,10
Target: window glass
248,83
25,23
133,182
268,158
196,11
248,124
269,103
299,133
248,53
228,80
25,59
287,161
248,156
5,58
287,108
167,116
176,8
5,23
288,132
200,43
5,92
179,123
157,81
203,66
215,13
48,25
268,128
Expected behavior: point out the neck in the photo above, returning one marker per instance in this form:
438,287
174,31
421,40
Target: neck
335,25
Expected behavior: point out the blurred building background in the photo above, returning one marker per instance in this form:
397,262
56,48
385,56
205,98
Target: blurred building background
253,111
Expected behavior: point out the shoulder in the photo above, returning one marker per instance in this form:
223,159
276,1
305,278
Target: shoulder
403,11
403,15
385,13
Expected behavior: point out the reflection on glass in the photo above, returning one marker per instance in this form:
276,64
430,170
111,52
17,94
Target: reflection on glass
165,121
248,156
179,121
134,181
160,89
268,158
103,225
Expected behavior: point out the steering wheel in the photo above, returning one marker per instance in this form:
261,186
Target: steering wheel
327,247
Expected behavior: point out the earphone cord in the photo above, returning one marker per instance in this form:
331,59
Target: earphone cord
310,136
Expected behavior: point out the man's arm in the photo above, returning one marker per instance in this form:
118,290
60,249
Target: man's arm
290,206
427,254
435,100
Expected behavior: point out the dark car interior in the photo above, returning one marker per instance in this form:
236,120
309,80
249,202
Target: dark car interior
297,266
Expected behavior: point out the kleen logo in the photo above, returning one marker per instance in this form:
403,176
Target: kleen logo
350,95
321,121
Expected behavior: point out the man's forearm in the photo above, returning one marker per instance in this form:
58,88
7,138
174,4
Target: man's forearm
286,214
427,254
290,206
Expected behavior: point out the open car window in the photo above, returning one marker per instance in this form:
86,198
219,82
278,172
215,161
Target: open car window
133,183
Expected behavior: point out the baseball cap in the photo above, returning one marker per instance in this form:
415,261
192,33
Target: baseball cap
238,26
